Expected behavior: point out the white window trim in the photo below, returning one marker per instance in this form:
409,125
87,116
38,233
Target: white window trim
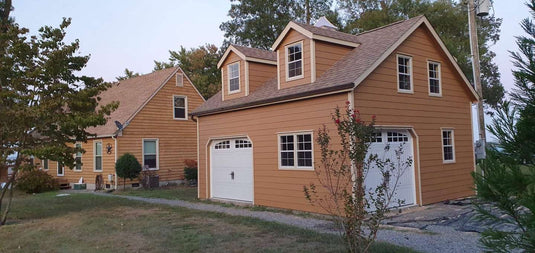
452,143
411,91
157,152
228,78
47,164
288,78
185,107
58,164
181,83
439,94
295,167
81,159
95,156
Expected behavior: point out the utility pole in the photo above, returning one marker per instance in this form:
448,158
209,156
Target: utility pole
474,48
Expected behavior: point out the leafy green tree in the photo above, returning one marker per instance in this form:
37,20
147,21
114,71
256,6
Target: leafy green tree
257,23
449,18
45,107
127,75
200,65
127,166
506,185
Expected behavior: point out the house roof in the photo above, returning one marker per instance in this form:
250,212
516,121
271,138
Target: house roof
375,46
318,33
132,95
250,54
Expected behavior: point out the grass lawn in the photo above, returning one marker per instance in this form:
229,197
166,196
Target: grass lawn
90,223
176,192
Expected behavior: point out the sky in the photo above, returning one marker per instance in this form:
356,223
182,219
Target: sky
132,34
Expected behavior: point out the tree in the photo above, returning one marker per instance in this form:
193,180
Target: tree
200,65
127,75
505,186
45,106
127,166
449,18
257,23
358,208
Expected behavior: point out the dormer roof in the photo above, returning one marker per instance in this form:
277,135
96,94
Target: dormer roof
318,33
250,54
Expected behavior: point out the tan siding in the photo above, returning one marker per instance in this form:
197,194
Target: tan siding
327,54
259,74
88,164
273,187
378,95
177,138
292,37
233,58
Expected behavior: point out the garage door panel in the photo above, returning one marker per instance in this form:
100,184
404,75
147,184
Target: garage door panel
385,144
232,169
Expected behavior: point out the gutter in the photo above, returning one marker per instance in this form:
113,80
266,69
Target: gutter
282,99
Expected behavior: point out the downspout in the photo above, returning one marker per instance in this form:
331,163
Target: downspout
115,159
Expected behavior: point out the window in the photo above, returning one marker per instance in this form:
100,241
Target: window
180,107
179,80
78,157
376,137
242,144
222,145
434,78
45,164
60,170
294,56
234,77
448,149
98,156
404,73
397,137
150,154
295,151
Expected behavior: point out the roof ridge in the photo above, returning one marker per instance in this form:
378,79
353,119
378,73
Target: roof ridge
336,31
144,75
236,45
389,25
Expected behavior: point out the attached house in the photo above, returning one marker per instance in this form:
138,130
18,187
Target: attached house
151,122
257,136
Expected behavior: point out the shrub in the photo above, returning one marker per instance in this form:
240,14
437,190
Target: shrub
127,167
36,181
190,171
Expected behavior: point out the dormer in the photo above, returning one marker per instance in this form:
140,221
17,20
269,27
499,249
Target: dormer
244,69
305,52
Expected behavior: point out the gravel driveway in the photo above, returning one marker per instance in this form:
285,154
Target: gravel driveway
421,228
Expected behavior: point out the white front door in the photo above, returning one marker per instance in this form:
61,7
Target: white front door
394,140
232,169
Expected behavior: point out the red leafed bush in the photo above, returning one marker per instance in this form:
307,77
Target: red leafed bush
36,181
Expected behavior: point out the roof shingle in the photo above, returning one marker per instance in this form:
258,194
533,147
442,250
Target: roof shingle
257,53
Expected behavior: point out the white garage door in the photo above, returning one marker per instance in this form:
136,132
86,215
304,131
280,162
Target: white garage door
232,169
394,139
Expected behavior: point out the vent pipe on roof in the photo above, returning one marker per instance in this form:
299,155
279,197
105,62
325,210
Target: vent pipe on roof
324,23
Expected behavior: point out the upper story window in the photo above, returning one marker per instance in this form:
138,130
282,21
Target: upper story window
294,57
98,156
234,77
295,151
180,107
404,73
434,78
179,80
78,157
448,146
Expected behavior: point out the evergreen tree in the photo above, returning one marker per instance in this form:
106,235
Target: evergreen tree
127,166
127,75
45,106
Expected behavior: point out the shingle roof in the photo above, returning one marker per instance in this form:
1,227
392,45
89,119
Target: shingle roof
329,33
341,76
131,95
257,53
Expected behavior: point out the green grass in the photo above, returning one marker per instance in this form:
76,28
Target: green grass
88,223
177,192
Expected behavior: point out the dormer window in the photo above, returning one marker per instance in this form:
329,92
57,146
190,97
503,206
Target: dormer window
234,77
294,56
